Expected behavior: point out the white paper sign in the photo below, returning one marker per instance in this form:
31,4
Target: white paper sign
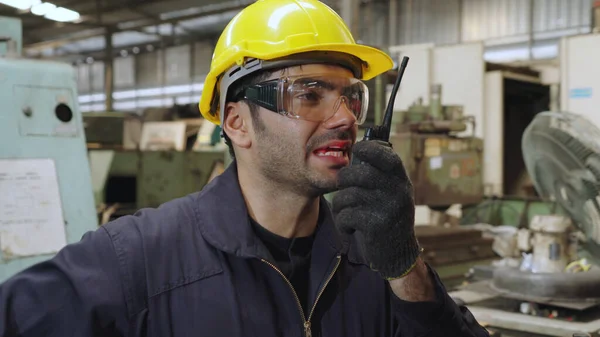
31,216
436,163
161,136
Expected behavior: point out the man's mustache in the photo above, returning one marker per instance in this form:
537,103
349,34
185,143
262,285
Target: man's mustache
321,140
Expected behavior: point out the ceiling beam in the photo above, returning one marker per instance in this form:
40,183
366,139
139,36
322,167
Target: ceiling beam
94,16
139,24
158,21
100,55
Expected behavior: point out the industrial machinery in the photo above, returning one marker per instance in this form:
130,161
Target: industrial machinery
119,130
144,161
46,198
452,251
445,167
508,211
553,288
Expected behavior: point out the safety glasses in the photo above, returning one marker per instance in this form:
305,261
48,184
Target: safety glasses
311,98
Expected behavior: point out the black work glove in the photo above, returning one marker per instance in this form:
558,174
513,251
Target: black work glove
376,199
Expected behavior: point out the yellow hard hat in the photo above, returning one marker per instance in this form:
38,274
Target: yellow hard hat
275,30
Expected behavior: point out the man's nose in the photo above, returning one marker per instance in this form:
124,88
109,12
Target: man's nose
343,116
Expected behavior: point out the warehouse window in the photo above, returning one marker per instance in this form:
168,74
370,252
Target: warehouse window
135,99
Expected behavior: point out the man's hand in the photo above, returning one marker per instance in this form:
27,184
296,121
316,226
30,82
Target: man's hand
376,199
417,286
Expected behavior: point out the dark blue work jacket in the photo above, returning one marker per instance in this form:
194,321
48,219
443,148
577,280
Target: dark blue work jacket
194,267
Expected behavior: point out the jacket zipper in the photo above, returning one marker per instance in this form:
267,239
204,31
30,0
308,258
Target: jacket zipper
306,322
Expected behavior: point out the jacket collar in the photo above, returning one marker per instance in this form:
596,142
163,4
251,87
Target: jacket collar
222,216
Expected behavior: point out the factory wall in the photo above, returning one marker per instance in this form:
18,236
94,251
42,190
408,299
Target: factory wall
510,29
158,78
498,22
580,74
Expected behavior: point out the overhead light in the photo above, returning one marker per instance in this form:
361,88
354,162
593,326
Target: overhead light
43,8
62,14
46,9
18,4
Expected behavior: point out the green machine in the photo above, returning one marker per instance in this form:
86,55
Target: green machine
126,178
445,168
46,199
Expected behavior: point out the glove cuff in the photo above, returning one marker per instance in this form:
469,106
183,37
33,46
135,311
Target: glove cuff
405,261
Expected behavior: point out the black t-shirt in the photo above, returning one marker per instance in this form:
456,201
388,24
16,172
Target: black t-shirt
292,257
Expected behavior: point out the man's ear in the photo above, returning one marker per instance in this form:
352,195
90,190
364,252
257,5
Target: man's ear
235,125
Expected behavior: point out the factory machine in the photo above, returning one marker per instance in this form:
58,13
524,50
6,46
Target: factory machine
46,198
547,283
445,167
140,161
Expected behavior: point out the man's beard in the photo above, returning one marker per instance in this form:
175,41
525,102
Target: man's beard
285,164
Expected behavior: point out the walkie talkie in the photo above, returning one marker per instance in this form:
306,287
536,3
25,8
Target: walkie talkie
381,133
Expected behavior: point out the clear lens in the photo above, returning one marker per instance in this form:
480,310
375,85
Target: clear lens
318,98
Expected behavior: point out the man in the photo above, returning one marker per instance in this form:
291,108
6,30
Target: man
257,252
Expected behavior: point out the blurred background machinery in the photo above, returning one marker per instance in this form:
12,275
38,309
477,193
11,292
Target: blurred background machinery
46,198
546,283
144,161
445,167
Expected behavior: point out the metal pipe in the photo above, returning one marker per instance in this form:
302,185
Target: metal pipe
435,101
365,23
109,79
393,23
346,13
408,33
460,21
531,20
